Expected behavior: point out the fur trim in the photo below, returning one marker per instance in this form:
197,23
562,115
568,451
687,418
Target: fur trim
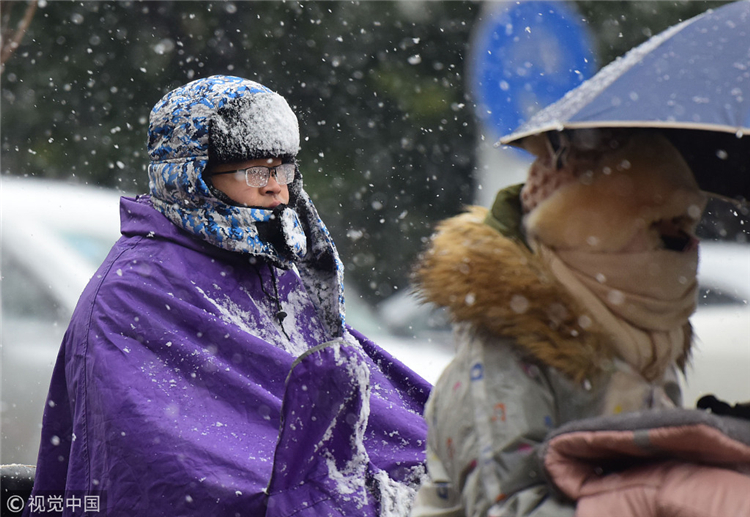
501,287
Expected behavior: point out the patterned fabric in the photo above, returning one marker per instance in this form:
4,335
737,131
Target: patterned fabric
179,134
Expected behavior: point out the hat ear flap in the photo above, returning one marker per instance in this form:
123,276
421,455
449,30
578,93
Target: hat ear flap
295,187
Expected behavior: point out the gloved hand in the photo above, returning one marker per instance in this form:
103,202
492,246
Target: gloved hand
719,407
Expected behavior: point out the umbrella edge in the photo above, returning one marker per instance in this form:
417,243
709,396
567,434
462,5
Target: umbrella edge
515,138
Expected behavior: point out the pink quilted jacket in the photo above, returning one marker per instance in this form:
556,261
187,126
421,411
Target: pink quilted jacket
681,463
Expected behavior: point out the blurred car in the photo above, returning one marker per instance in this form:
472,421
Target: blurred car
720,362
721,325
53,236
421,354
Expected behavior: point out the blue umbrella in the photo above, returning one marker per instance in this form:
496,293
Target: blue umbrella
691,81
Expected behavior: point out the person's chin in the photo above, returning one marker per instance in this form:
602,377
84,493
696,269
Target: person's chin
265,206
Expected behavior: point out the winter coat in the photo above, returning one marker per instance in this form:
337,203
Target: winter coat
524,365
180,387
677,462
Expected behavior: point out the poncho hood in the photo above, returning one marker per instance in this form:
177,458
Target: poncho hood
225,119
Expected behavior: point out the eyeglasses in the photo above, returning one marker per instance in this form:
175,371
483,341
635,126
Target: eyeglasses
257,176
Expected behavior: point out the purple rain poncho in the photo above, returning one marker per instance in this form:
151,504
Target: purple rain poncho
178,391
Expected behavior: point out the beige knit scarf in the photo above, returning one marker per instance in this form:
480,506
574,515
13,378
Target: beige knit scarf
643,300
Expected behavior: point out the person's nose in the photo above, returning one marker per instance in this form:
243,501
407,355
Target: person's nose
272,187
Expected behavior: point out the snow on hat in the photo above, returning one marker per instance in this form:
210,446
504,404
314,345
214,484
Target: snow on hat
255,126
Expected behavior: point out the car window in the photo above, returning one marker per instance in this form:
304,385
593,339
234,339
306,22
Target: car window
708,296
23,296
92,248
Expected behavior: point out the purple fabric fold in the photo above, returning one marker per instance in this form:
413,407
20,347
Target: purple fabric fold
179,411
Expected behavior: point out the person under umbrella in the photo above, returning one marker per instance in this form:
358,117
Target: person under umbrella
571,299
689,81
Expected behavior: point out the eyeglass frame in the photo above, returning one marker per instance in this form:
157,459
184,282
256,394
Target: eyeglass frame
266,175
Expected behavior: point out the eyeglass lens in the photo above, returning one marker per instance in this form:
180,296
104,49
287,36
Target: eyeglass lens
258,176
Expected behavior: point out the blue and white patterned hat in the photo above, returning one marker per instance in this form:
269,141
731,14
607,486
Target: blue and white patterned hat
179,147
231,118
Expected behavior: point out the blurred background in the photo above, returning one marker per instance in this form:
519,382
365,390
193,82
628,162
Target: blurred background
400,104
389,122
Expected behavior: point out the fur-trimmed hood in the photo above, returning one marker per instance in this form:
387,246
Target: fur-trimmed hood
496,283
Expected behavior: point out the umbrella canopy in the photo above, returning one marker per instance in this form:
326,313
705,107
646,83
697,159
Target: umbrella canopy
692,81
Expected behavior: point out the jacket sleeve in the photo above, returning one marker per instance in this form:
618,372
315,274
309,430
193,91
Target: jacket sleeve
653,463
488,415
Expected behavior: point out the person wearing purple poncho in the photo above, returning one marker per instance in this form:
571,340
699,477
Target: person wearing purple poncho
208,369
